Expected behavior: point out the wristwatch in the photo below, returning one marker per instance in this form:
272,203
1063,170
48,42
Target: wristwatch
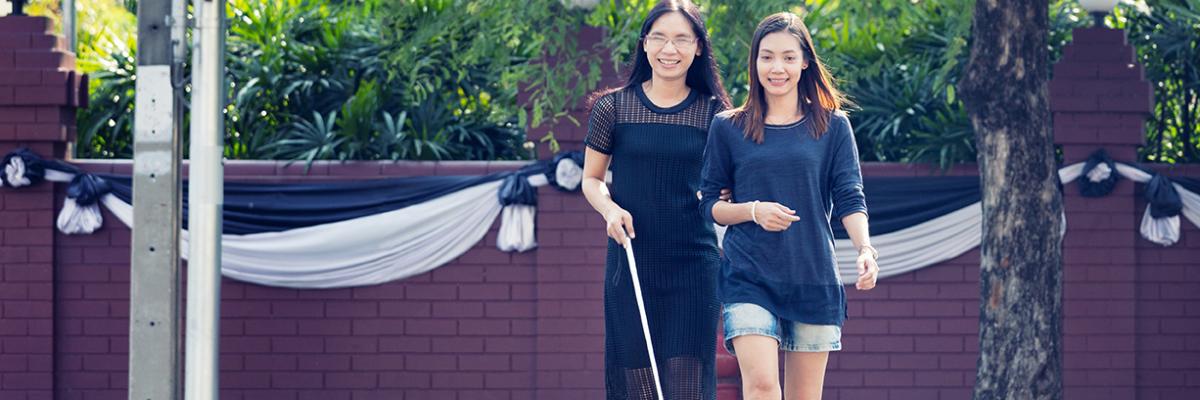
865,247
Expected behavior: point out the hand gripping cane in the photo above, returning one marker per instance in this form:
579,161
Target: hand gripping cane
637,292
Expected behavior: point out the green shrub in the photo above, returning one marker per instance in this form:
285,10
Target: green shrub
898,61
463,79
1166,34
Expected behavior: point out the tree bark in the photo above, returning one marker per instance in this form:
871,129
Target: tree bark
1006,95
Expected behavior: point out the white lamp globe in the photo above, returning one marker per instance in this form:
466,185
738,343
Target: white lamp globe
1098,9
1098,6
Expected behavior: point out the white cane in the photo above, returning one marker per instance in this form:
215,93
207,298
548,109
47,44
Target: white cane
637,292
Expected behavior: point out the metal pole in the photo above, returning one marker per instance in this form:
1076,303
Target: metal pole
179,48
179,51
68,12
154,270
205,198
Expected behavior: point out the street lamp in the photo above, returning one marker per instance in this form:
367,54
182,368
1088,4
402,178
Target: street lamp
1098,9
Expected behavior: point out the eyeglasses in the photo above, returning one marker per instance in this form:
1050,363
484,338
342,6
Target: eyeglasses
681,43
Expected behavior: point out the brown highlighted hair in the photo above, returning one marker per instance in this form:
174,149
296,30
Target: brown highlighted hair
819,98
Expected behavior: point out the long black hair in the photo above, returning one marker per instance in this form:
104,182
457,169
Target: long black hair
703,75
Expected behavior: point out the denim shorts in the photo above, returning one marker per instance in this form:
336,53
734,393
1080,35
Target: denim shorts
752,319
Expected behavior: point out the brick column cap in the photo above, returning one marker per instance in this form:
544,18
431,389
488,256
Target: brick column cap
38,81
1099,95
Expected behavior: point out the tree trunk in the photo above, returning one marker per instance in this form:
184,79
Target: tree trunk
1006,94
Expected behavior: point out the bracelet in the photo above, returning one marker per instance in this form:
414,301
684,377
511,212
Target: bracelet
753,213
874,252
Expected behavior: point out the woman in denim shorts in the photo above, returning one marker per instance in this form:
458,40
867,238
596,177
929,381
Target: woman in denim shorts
790,157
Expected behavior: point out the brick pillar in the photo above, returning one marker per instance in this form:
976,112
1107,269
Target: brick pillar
569,273
38,96
1099,100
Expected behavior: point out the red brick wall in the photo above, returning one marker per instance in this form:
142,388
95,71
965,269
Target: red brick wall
38,95
1167,322
488,325
26,291
514,326
466,330
1100,100
1099,293
915,335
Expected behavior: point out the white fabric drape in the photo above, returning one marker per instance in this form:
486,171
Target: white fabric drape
76,220
14,173
953,234
402,243
516,228
1163,231
366,250
919,246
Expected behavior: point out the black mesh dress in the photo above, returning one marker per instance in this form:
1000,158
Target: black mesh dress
656,158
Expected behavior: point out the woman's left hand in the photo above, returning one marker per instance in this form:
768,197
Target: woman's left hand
868,271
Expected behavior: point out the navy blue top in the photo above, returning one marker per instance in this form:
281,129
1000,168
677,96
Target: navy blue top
792,273
656,154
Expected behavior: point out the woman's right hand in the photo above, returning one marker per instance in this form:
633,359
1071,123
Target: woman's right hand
619,222
774,217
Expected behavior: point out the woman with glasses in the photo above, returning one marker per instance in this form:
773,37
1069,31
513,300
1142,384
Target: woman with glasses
652,133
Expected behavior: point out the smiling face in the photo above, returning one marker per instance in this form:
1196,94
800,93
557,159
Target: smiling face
780,63
671,46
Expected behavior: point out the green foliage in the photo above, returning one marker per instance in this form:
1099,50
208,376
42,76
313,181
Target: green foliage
897,60
106,49
457,66
901,75
309,139
271,54
1166,35
107,52
462,79
481,54
105,127
309,80
292,65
